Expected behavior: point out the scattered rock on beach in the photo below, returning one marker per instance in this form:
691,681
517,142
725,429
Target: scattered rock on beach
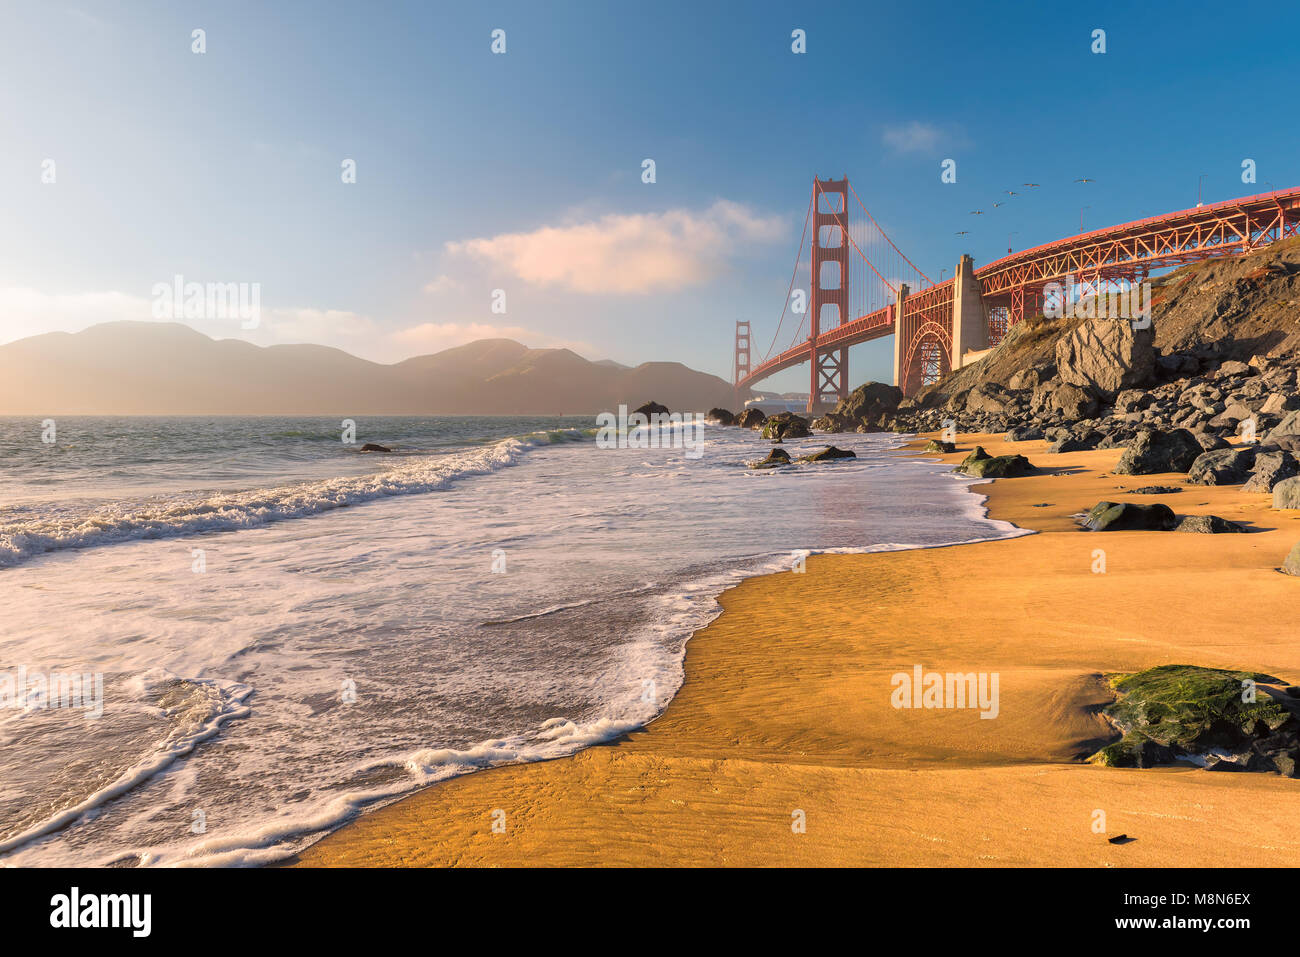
1127,517
651,408
751,418
1286,493
774,458
982,465
938,445
720,417
1208,525
1179,712
828,453
372,447
1156,490
785,425
1222,467
1271,468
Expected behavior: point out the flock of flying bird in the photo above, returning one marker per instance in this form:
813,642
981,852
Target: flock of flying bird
1010,193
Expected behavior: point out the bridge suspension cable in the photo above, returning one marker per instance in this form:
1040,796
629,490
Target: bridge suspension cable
798,260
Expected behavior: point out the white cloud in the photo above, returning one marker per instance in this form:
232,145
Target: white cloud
913,137
625,254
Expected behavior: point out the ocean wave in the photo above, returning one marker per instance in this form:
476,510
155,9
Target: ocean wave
187,515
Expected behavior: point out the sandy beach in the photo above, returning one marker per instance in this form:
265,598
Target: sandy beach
786,711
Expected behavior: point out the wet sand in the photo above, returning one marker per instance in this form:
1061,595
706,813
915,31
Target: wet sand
786,712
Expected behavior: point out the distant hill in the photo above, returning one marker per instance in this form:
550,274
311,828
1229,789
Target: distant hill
154,367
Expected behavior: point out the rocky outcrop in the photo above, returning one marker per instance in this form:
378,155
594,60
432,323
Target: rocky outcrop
785,425
1106,356
720,417
1286,434
751,418
866,409
1152,452
1286,493
1127,517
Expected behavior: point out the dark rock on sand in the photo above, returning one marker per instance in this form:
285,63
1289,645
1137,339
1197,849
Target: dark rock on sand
1222,467
938,445
1292,564
1127,517
751,418
1156,490
1208,525
1175,712
979,463
372,447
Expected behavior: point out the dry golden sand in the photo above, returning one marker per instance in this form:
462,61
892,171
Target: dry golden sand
786,706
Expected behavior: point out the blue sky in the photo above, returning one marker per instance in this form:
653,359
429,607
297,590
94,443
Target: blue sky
522,171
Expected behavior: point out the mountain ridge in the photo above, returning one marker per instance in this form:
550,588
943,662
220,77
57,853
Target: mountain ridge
139,368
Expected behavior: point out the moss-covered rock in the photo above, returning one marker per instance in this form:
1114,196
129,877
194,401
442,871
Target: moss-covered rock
938,445
1176,712
828,453
785,425
982,465
774,458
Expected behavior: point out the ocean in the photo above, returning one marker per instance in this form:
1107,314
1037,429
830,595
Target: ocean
288,631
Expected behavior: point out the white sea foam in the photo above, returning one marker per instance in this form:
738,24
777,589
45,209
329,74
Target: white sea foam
184,515
614,559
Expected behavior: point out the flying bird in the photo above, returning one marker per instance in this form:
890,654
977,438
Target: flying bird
1031,185
977,212
1085,180
996,205
964,232
1011,192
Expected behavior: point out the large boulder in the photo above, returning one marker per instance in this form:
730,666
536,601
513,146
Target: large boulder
1152,452
751,418
720,417
1286,433
1286,493
785,425
869,401
986,397
1271,468
1074,401
1127,517
1223,467
1106,356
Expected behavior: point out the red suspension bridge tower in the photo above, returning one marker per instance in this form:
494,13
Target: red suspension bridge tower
830,290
